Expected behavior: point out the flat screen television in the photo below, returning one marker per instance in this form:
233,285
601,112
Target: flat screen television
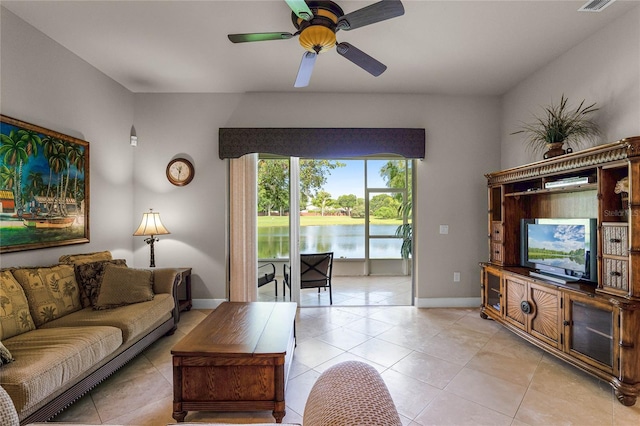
561,250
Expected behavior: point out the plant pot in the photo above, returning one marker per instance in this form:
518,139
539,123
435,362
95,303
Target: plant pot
555,149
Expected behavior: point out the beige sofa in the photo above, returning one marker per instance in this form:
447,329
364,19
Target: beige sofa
65,328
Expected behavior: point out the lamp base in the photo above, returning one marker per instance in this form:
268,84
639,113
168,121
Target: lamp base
152,260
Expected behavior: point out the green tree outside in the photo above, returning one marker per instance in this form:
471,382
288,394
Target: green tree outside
313,177
273,182
273,186
384,206
348,202
322,200
394,174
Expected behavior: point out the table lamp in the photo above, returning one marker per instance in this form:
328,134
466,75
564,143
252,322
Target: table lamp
151,226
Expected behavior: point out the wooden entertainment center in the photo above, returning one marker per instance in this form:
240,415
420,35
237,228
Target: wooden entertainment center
593,326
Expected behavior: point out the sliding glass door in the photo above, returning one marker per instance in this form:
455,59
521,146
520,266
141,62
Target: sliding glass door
350,207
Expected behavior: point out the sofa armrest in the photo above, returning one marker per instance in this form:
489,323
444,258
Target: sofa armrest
165,280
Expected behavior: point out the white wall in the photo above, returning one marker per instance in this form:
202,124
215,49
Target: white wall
605,68
45,84
187,126
462,144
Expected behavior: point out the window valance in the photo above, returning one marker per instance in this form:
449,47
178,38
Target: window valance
322,142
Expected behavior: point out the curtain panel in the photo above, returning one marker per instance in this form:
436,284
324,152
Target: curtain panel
243,232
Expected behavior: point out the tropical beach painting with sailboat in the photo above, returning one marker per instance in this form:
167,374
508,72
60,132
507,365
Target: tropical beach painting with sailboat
44,187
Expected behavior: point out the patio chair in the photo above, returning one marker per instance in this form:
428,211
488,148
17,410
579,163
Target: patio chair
315,272
266,274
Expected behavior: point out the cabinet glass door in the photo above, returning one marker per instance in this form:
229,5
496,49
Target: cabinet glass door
592,332
491,292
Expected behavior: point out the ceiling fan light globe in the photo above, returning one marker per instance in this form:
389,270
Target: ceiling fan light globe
317,39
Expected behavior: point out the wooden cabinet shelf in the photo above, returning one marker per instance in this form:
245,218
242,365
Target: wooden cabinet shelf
593,325
576,188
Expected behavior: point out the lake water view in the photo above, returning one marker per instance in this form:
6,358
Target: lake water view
345,241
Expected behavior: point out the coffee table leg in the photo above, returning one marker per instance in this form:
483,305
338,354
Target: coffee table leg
179,416
178,413
279,404
279,415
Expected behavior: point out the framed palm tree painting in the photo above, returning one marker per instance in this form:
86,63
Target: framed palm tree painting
44,187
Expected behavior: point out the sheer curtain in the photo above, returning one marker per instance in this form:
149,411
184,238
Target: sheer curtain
243,212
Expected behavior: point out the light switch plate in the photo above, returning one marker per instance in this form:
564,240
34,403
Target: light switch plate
444,229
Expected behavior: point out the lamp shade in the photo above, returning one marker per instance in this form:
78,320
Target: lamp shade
151,225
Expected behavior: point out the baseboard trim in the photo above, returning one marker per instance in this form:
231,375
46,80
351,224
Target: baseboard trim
447,302
426,302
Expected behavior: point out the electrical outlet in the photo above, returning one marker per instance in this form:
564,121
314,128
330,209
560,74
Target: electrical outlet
456,277
444,229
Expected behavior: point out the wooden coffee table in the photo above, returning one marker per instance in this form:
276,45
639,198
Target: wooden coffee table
236,359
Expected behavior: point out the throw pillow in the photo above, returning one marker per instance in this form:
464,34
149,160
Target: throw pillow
15,317
89,277
124,286
52,292
79,259
5,355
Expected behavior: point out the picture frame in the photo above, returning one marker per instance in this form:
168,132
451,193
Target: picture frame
44,187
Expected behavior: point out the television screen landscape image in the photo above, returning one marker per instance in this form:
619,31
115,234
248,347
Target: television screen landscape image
560,246
565,247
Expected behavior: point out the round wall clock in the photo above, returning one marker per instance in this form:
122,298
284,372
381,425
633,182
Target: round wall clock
180,171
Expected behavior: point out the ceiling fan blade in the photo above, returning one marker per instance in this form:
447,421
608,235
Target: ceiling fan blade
301,9
361,59
381,11
306,68
243,38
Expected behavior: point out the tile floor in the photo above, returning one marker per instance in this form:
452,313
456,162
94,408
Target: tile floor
442,367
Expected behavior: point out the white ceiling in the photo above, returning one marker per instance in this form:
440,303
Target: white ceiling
474,47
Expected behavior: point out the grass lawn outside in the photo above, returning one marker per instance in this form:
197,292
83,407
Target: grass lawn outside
264,221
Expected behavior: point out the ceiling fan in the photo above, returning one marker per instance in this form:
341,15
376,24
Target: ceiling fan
317,23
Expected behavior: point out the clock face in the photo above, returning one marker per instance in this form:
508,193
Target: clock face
180,171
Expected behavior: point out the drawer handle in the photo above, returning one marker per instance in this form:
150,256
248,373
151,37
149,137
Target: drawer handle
625,345
615,240
497,232
525,307
615,274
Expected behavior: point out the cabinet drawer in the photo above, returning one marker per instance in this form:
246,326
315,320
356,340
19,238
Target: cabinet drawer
615,240
615,274
496,253
496,231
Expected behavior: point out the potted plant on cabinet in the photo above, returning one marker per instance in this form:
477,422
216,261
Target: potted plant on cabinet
560,126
